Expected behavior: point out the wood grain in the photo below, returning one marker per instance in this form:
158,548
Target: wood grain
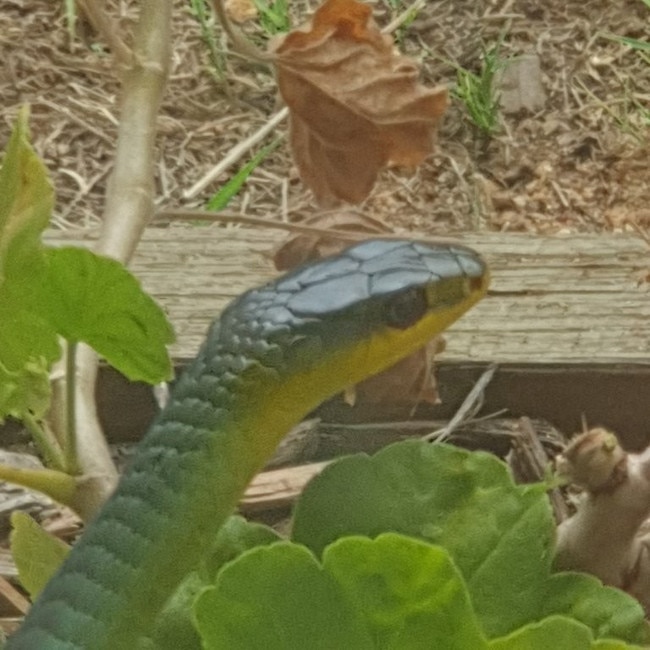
577,299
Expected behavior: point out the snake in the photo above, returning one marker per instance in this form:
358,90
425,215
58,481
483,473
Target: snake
274,355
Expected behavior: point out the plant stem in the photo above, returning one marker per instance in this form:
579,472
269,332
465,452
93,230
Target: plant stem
47,444
70,440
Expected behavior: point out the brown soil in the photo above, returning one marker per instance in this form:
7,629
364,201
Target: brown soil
578,164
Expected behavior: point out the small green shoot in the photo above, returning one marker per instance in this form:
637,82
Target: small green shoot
202,11
642,47
274,16
634,118
478,93
221,199
404,14
70,8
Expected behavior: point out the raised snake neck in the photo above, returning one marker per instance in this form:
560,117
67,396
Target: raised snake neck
276,353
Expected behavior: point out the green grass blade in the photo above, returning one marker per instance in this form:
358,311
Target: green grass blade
221,199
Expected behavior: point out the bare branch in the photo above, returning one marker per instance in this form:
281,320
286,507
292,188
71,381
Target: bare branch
128,209
240,44
108,30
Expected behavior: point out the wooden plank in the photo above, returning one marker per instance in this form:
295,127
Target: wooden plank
278,488
569,299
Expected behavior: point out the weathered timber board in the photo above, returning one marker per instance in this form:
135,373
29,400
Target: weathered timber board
571,299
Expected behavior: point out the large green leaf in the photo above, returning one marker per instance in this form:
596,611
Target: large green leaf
37,554
174,628
410,594
558,633
465,502
278,597
27,343
26,200
91,298
391,593
499,534
607,611
67,292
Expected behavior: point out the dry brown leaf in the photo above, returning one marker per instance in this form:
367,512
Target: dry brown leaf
407,383
355,104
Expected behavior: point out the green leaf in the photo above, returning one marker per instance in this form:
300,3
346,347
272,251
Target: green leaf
174,627
91,298
277,597
25,391
54,483
557,632
612,644
634,43
27,343
410,594
26,200
607,611
463,501
235,537
500,535
24,334
37,554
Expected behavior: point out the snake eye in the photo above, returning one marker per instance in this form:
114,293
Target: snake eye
406,308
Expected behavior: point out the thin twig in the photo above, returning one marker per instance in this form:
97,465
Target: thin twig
188,214
398,21
531,457
236,153
471,404
70,441
13,596
45,441
240,44
108,30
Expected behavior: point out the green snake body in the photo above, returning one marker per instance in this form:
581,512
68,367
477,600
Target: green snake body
275,354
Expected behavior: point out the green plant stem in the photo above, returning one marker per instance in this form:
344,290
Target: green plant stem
45,441
70,441
200,10
71,18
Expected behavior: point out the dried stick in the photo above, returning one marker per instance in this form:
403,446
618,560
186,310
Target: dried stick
470,406
107,29
236,153
240,44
